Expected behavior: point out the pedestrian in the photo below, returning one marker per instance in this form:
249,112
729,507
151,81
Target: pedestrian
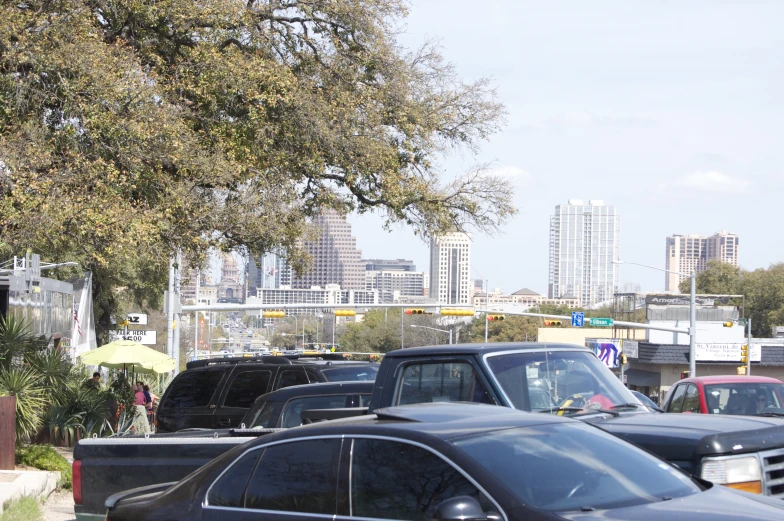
140,422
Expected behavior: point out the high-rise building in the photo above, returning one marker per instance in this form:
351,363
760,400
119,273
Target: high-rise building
336,259
270,271
585,239
450,264
687,253
393,279
388,265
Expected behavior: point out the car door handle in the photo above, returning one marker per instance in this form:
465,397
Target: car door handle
224,421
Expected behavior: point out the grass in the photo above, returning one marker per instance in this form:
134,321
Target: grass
44,457
24,509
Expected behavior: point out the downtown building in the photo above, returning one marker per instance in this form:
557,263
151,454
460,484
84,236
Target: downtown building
687,253
269,271
329,294
450,264
585,239
394,280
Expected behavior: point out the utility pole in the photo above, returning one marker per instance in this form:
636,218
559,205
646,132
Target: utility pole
748,359
196,316
487,299
170,312
177,316
693,325
402,329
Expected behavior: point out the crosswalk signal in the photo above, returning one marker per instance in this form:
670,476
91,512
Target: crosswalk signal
491,318
274,313
552,323
744,354
684,374
465,312
345,312
729,323
415,311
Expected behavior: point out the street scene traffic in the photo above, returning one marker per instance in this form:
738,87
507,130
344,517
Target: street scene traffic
390,260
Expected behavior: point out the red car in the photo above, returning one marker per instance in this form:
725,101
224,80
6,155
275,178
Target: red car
726,394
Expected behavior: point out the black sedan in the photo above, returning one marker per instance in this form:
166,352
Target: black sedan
443,462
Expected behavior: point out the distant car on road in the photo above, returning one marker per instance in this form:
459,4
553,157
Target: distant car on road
646,401
727,394
442,462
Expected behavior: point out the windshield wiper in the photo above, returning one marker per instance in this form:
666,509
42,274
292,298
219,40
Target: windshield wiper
771,414
626,406
582,410
567,409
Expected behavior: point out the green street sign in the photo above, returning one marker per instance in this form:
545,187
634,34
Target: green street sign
602,322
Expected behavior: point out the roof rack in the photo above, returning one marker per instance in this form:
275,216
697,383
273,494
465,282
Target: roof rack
267,359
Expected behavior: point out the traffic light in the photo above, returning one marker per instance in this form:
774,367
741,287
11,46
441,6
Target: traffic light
684,374
744,354
465,312
345,312
491,318
729,323
415,311
624,359
552,323
274,313
741,370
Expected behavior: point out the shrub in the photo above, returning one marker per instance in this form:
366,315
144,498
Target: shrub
23,509
30,399
44,457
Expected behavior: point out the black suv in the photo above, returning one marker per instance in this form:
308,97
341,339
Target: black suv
216,393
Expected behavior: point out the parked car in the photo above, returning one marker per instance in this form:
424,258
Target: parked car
650,404
216,393
446,462
727,394
171,456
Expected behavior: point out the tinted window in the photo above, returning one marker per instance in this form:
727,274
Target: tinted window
263,414
229,490
297,477
570,466
440,382
193,389
392,480
292,415
691,400
246,387
351,373
677,399
743,398
291,377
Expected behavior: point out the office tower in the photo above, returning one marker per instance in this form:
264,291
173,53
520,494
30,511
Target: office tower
388,265
393,278
687,253
450,264
584,241
270,271
336,259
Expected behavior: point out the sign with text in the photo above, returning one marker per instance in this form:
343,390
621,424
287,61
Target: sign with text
149,338
725,352
606,322
578,318
137,319
631,348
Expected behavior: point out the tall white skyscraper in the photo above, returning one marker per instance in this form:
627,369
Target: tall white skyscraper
687,253
584,241
450,264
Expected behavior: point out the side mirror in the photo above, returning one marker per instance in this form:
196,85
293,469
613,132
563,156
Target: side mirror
460,508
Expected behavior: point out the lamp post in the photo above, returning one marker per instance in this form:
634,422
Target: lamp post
692,311
436,329
487,298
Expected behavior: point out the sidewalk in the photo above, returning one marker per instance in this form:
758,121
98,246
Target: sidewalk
15,484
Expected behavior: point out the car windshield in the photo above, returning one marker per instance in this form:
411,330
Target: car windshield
546,381
351,373
744,398
568,466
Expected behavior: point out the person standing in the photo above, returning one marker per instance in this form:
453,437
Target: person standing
140,422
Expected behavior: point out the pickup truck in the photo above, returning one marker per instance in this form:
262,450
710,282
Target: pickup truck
559,379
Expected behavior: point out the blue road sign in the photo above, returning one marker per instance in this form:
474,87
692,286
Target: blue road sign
578,318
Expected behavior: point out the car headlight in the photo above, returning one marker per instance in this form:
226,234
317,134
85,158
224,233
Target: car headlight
739,472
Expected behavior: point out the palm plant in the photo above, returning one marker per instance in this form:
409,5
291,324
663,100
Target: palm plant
23,383
63,424
16,341
54,370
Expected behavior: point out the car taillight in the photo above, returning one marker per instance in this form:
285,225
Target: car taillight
76,476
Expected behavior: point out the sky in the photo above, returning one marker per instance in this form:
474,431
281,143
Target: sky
669,110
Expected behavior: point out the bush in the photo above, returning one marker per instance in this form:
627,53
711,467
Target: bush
31,399
44,457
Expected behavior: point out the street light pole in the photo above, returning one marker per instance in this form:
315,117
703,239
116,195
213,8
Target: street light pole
436,329
487,300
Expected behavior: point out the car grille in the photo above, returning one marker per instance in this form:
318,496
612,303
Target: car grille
773,472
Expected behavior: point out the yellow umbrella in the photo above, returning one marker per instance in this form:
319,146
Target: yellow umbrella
131,356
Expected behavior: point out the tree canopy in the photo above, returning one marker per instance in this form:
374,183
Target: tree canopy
133,128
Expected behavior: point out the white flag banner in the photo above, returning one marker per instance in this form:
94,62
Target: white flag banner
82,322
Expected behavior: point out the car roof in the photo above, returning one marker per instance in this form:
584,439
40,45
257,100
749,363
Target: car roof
732,378
445,421
325,388
480,349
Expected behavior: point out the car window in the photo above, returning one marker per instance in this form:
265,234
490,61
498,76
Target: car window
289,377
440,382
743,397
193,389
677,399
574,466
297,477
364,400
292,414
246,387
351,373
228,491
395,480
262,415
691,400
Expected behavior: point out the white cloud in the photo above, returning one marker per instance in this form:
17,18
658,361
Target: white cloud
712,181
514,174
